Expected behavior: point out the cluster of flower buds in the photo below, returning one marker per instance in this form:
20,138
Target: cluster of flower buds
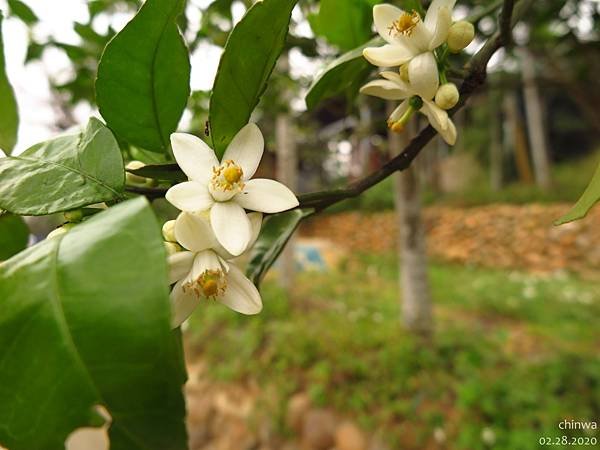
214,229
419,47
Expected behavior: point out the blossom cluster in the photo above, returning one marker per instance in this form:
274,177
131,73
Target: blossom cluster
418,48
214,229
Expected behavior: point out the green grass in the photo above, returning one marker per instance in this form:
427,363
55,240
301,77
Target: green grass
513,352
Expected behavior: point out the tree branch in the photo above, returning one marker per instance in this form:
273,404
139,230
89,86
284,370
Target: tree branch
475,77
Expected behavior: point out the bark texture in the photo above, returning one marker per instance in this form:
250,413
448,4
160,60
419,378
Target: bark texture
414,279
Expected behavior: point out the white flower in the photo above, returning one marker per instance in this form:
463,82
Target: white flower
203,271
411,41
225,188
394,88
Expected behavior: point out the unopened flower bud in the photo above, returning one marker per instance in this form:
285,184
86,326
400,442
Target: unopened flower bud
460,35
447,96
74,215
132,178
60,230
171,248
168,231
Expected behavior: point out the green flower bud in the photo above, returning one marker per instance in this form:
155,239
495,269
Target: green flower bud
74,215
460,35
168,231
130,178
447,96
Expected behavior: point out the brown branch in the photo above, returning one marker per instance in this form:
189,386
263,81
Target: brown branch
475,77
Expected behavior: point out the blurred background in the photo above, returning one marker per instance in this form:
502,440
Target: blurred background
439,310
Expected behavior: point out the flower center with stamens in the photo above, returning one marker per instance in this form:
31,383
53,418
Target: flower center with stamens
226,181
406,23
210,284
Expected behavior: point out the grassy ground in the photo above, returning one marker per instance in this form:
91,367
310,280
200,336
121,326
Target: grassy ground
513,354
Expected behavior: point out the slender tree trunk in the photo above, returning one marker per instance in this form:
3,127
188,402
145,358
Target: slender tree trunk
287,173
496,157
516,137
535,121
414,280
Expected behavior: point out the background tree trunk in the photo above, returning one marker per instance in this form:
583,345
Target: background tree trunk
535,120
287,173
496,156
515,136
414,279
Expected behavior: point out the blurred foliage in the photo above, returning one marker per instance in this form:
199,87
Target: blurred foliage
338,339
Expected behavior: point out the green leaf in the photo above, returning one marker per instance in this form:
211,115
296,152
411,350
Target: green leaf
344,75
588,199
249,57
64,173
9,114
167,172
344,23
14,235
22,11
144,77
276,231
85,321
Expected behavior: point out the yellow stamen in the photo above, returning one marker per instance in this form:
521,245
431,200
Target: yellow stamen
232,174
406,23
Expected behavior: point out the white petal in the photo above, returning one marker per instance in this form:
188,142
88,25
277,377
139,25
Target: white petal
193,232
389,55
195,158
231,226
190,196
182,304
88,438
241,295
420,37
448,131
384,16
205,260
431,17
246,149
268,196
449,134
385,89
440,30
423,75
180,265
436,115
399,111
255,219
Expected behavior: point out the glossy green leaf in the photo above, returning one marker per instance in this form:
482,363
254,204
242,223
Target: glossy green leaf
276,231
85,322
343,75
22,11
144,77
9,114
63,173
167,172
588,199
14,235
245,67
344,23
